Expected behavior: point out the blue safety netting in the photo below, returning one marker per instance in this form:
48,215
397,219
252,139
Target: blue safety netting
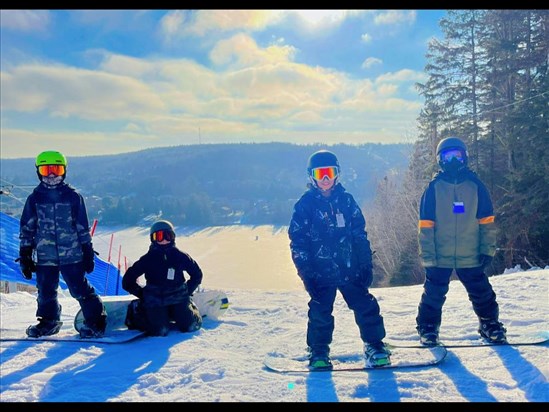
105,278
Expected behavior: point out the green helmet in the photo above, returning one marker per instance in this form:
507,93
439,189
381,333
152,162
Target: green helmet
51,157
161,225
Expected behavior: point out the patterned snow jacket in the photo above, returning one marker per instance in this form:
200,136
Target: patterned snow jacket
163,286
328,239
456,222
55,223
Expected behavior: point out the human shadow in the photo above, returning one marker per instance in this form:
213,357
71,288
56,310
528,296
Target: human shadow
471,387
381,387
321,387
529,378
112,370
56,353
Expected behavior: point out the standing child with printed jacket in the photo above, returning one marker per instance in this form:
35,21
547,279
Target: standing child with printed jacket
54,224
331,252
456,232
166,295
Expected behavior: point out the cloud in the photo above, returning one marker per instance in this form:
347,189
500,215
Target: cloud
243,51
251,93
65,91
404,75
366,38
370,61
25,20
200,23
395,17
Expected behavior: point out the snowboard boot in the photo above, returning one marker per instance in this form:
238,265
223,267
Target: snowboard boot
377,354
428,335
93,330
492,330
135,316
195,325
319,358
44,328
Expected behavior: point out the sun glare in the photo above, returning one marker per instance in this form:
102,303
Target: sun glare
317,18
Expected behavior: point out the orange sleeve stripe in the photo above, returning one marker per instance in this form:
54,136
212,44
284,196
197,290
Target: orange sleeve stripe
486,220
426,224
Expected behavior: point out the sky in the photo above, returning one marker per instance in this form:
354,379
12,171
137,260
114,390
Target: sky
223,361
94,82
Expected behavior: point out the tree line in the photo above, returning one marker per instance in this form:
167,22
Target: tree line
487,83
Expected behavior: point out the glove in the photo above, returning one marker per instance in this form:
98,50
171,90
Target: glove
88,257
485,261
365,276
26,263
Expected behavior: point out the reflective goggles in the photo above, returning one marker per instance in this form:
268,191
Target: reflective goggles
161,235
321,172
447,155
46,170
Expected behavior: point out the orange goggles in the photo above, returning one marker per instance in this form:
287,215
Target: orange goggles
161,235
321,172
46,170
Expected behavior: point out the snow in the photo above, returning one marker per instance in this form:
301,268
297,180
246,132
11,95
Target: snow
223,362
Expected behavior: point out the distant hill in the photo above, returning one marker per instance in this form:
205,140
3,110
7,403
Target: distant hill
209,184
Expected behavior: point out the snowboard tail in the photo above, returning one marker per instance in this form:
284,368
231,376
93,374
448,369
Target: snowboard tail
400,358
527,339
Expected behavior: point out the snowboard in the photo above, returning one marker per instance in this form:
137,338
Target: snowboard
68,334
400,358
211,304
513,339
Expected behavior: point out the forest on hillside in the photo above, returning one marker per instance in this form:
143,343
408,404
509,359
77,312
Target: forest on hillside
487,83
208,184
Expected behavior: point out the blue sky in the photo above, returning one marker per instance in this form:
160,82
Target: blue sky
89,82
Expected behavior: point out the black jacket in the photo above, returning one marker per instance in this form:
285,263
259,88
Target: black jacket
160,289
328,238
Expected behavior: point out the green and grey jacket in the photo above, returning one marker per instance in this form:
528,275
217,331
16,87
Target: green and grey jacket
55,223
456,222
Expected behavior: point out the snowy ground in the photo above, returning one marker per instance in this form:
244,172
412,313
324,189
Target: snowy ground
223,361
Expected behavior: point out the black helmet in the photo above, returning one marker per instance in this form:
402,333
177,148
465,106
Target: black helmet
322,158
450,143
161,225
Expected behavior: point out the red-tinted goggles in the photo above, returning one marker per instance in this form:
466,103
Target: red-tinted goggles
450,154
161,235
46,170
321,172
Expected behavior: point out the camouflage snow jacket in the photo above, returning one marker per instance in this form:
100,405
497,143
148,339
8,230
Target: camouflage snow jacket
55,223
328,239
